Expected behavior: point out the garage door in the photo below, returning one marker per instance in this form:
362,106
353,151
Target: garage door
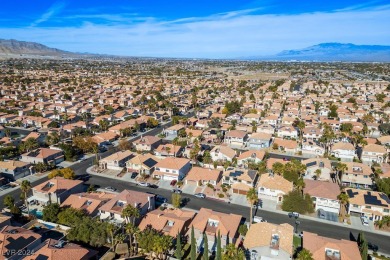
237,191
169,178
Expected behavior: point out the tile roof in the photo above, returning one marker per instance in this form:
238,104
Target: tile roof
56,185
128,197
317,245
343,146
260,235
13,239
251,154
275,182
172,163
322,189
87,201
199,173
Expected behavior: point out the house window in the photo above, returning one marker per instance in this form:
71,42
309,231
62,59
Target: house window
386,210
368,207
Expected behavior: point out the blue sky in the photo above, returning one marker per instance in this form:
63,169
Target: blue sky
194,29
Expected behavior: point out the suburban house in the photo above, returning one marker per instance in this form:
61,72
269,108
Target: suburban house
55,190
39,137
273,187
357,175
311,134
169,221
201,175
311,149
147,143
173,131
249,118
112,210
222,153
14,170
375,205
236,138
104,138
266,129
318,168
15,240
374,153
211,223
344,151
288,146
142,163
54,249
259,140
166,150
88,202
324,196
43,155
287,132
324,248
250,157
269,241
172,168
116,161
241,180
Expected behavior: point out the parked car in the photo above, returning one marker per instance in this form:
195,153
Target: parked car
143,184
109,188
179,191
161,199
173,182
200,195
133,175
364,220
321,214
373,247
293,214
257,219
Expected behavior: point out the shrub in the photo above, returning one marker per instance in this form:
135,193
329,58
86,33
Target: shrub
210,185
221,195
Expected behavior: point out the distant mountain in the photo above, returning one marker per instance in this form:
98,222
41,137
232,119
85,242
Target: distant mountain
338,52
30,48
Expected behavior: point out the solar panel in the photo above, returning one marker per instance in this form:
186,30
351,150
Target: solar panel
150,162
384,197
311,164
236,173
351,194
372,200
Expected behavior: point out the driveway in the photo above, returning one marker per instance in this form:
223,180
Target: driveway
357,223
189,188
165,184
239,199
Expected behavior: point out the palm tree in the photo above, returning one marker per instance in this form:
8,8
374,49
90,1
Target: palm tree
233,253
52,138
300,184
175,141
111,228
26,187
130,213
344,200
278,168
341,167
207,158
301,125
305,255
254,126
7,132
131,230
252,198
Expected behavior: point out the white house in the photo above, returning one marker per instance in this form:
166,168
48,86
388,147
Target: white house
172,168
374,153
344,151
116,161
324,195
222,153
273,186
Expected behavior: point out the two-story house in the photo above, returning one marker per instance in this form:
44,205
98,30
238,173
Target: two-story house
116,161
318,169
311,149
89,203
344,151
375,205
269,241
112,210
357,175
222,153
172,168
173,131
250,156
241,180
14,170
55,190
287,132
273,187
43,155
259,140
211,223
169,221
311,133
142,163
324,196
236,138
147,143
374,153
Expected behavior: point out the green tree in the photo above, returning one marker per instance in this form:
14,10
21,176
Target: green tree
52,138
305,255
243,229
131,230
176,200
252,198
178,251
363,246
130,214
205,247
50,212
346,127
66,173
344,199
327,137
9,201
233,253
333,111
25,187
278,168
218,255
193,245
294,201
70,217
383,185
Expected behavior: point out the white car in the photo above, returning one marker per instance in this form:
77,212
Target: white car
364,220
143,184
200,195
257,219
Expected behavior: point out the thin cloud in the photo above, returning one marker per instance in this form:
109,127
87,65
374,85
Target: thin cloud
54,9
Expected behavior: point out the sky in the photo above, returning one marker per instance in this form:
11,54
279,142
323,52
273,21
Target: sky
194,29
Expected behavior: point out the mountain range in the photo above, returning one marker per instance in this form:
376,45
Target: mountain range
320,52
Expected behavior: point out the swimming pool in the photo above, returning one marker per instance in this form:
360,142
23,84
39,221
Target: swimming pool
36,213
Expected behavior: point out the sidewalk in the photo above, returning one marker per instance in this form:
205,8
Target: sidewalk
31,178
